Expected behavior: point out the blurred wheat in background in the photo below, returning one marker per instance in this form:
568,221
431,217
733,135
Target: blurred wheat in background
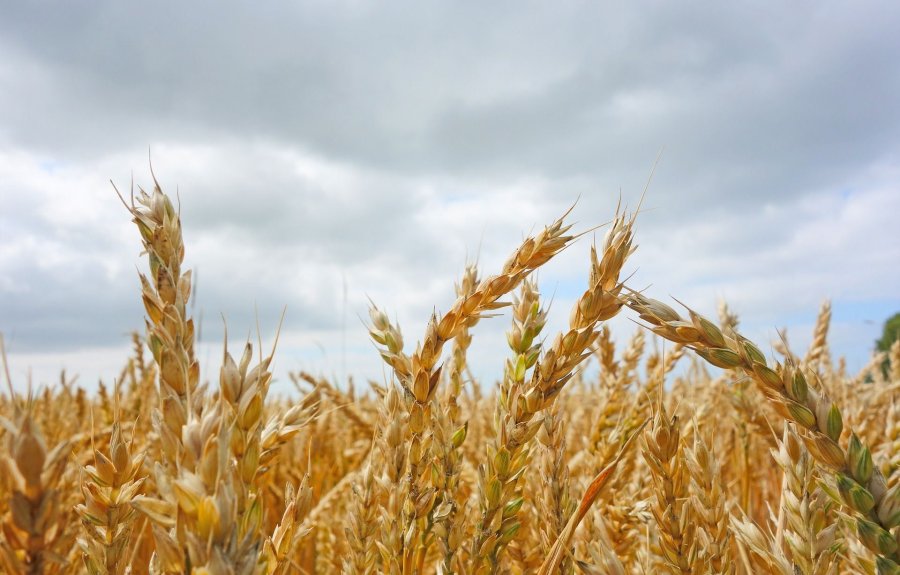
786,464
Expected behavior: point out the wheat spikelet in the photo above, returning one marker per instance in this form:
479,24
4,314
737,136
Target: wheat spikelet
663,453
34,533
818,348
109,486
708,507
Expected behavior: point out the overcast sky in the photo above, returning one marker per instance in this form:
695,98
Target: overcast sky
379,146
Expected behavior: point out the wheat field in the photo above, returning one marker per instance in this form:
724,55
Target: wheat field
782,464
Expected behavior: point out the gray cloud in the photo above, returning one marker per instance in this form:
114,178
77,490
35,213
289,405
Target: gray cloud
767,95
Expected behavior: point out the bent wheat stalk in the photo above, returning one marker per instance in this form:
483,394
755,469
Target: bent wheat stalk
591,494
858,483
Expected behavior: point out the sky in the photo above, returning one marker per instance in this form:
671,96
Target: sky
325,153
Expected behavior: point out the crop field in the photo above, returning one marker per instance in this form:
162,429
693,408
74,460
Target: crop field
690,450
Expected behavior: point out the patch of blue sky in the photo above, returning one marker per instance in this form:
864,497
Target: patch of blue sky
50,166
567,290
855,325
869,311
